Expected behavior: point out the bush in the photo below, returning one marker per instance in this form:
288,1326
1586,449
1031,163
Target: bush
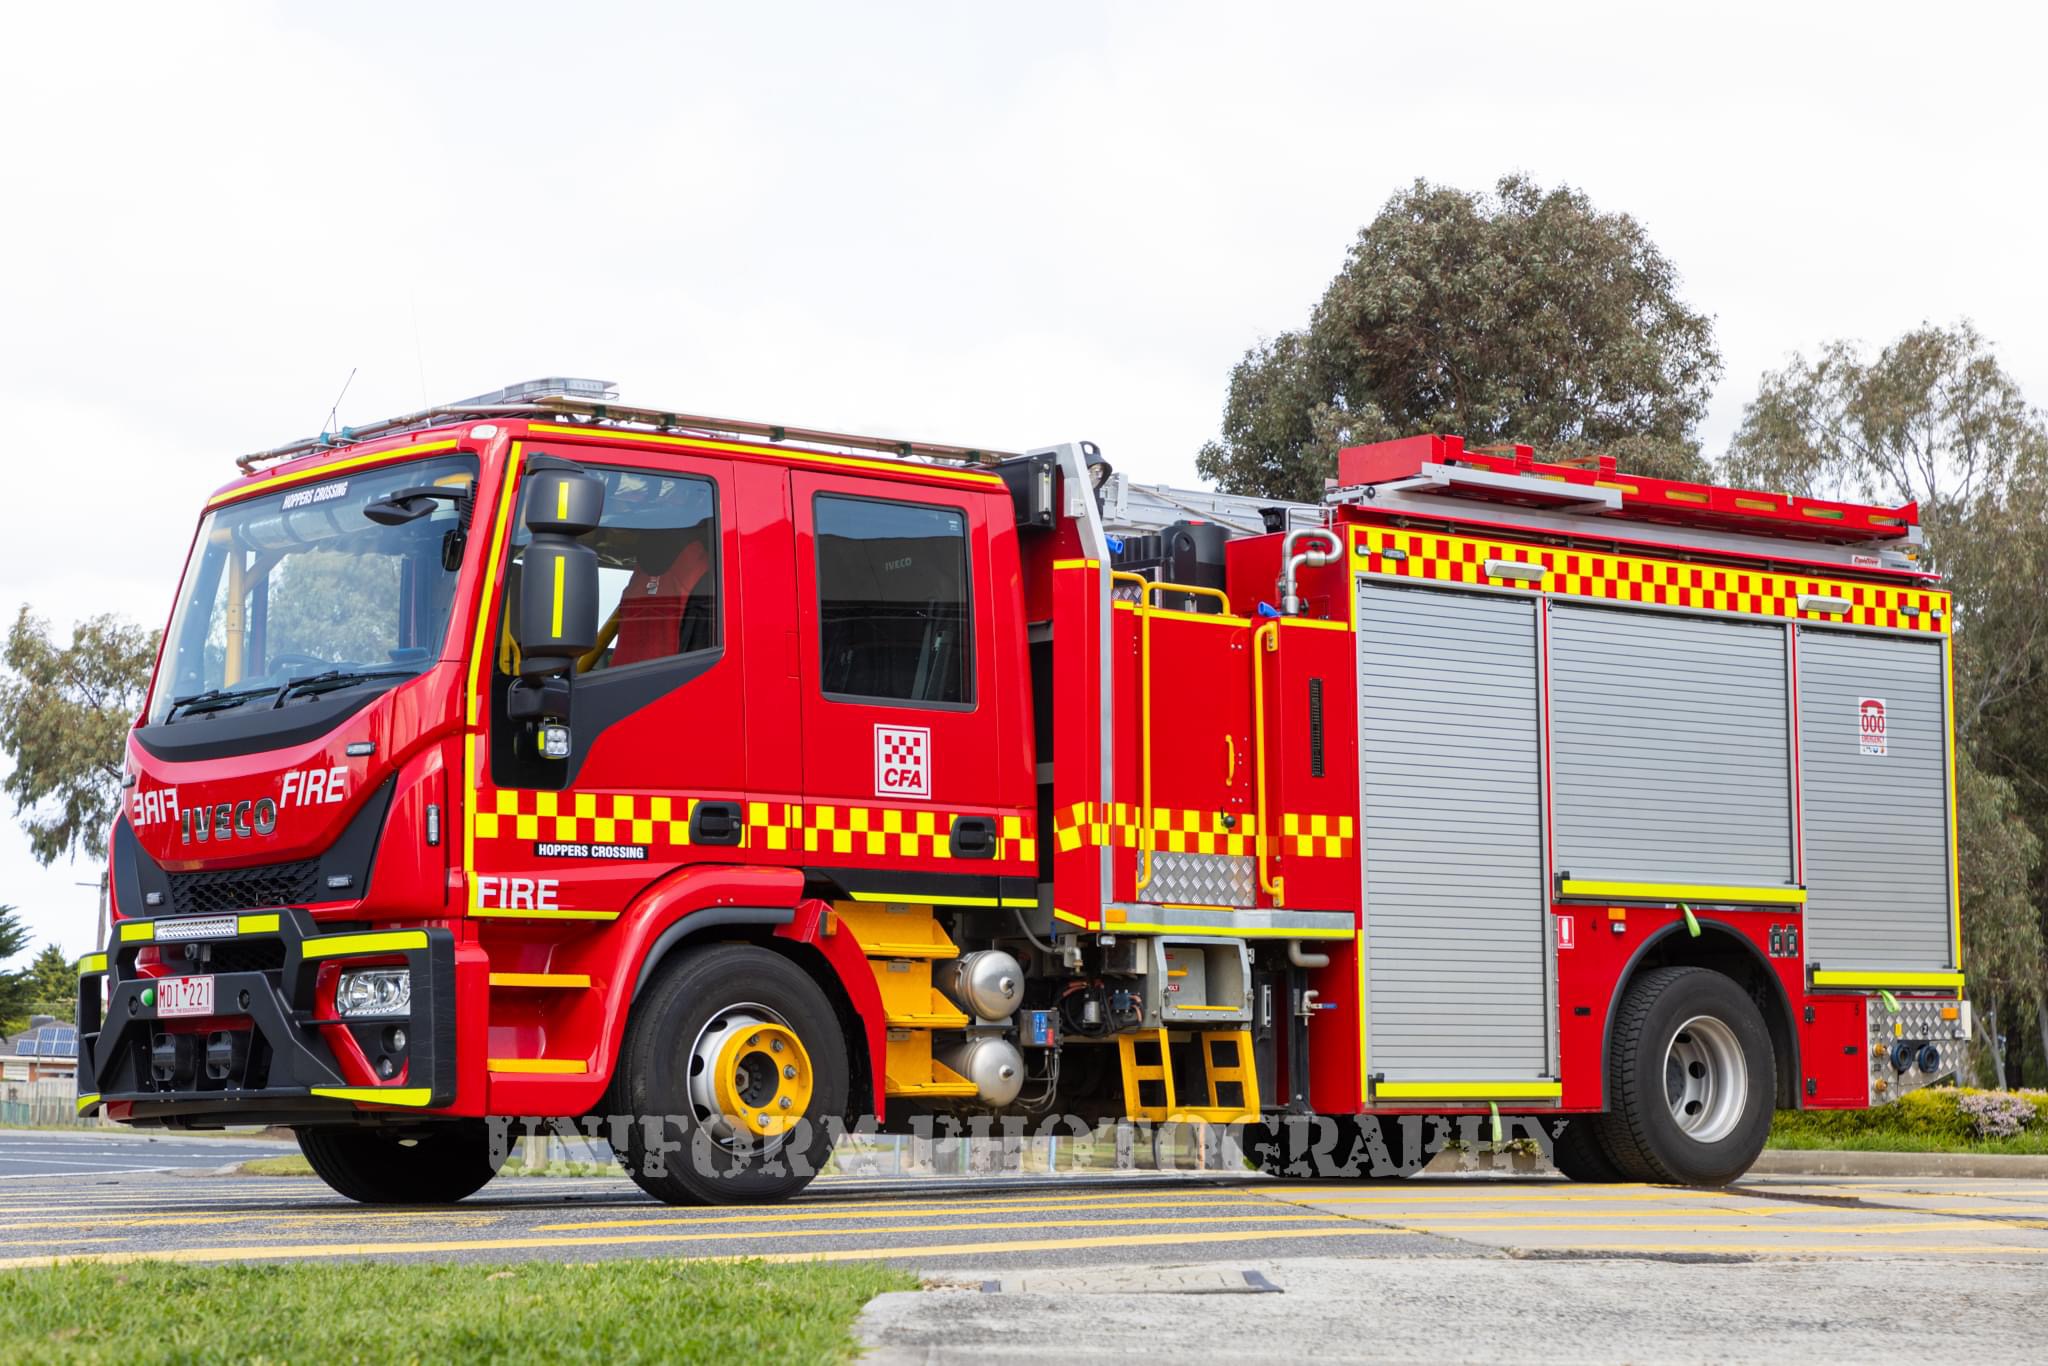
1944,1114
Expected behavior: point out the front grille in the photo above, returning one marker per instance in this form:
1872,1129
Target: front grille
242,889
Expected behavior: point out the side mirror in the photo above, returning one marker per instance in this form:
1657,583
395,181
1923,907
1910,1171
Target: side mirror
557,610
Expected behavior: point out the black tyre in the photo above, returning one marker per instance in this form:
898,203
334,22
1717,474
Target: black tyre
733,1062
1691,1080
434,1166
1327,1147
1576,1152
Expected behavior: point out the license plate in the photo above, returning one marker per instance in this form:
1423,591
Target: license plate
184,996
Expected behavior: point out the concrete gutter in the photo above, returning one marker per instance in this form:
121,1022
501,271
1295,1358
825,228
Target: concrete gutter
1820,1162
1791,1162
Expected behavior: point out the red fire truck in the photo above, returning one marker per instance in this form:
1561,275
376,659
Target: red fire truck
539,756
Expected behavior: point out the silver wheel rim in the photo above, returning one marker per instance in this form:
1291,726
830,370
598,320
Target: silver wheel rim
1706,1082
704,1056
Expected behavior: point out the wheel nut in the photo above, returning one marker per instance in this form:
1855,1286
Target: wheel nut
775,1045
785,1102
789,1071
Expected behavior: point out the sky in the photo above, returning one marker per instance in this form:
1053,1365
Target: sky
997,226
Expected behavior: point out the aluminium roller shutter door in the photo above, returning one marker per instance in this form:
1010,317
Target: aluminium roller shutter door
1455,918
1877,825
1671,748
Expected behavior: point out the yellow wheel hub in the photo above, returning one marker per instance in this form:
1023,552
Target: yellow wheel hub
762,1079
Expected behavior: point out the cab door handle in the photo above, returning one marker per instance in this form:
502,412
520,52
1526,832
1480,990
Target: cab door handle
717,823
973,837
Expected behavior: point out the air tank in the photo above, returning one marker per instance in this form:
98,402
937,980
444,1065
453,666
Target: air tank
988,984
993,1064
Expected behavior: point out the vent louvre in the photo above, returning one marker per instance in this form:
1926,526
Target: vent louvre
1315,727
242,889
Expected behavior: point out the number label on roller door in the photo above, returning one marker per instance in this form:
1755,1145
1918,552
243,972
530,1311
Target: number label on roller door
1870,725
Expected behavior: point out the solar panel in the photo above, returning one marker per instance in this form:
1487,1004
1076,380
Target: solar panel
25,1048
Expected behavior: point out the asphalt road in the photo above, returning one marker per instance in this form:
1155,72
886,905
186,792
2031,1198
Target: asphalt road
29,1155
1475,1267
118,1197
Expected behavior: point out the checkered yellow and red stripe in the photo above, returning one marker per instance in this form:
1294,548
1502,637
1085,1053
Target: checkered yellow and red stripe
1178,831
664,823
1638,579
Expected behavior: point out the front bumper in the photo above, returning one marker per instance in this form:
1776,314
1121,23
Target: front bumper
267,1053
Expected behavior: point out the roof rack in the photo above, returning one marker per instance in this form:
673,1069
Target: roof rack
1441,466
588,401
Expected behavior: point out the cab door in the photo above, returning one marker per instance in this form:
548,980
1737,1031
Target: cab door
658,709
900,711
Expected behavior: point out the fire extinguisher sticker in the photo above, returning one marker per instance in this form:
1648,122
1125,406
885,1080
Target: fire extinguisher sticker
1870,725
1566,931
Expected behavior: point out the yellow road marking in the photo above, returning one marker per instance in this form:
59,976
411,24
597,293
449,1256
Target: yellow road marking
45,1242
896,1212
1295,1196
1177,1239
1795,1250
1650,1226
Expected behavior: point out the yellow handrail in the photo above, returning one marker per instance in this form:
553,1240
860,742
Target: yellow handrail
1146,588
1265,640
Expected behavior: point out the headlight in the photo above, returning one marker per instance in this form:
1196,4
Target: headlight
374,991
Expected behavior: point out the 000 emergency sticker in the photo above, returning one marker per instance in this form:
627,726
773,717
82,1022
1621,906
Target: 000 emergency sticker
903,761
1870,725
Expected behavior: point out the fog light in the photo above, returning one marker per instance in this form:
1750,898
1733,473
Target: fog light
374,991
554,741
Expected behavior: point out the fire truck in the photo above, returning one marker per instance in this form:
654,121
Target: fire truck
536,755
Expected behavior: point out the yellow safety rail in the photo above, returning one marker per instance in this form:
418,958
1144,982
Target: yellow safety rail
1146,588
1265,641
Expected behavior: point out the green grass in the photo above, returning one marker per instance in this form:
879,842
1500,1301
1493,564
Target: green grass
1932,1120
379,1311
2024,1144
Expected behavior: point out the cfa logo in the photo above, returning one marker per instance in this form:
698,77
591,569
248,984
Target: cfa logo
903,761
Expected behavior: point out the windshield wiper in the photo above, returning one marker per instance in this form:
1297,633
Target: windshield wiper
213,699
333,679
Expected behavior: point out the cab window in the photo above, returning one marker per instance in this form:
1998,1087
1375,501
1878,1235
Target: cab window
893,602
658,573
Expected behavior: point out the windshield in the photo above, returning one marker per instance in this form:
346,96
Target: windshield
301,593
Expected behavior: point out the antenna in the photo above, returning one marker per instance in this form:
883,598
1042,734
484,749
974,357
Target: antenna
331,412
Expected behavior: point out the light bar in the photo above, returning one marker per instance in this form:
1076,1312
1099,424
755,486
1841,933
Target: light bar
533,390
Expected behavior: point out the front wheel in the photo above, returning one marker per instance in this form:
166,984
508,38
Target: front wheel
733,1063
1691,1080
438,1165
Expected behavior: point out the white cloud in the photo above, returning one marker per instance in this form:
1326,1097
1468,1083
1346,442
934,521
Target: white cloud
958,223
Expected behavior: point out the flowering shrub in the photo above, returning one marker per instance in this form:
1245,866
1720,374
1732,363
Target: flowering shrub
1996,1114
1944,1114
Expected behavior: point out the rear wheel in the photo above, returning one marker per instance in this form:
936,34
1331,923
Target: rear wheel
733,1061
1691,1080
434,1166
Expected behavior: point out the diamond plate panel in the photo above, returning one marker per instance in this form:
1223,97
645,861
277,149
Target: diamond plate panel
1201,880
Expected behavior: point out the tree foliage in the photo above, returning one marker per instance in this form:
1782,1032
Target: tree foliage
63,712
1524,315
1933,418
17,989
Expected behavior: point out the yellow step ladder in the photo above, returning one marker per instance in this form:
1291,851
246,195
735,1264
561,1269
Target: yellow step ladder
1239,1071
902,942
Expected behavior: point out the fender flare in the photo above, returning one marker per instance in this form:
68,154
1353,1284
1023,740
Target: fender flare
712,897
1722,930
